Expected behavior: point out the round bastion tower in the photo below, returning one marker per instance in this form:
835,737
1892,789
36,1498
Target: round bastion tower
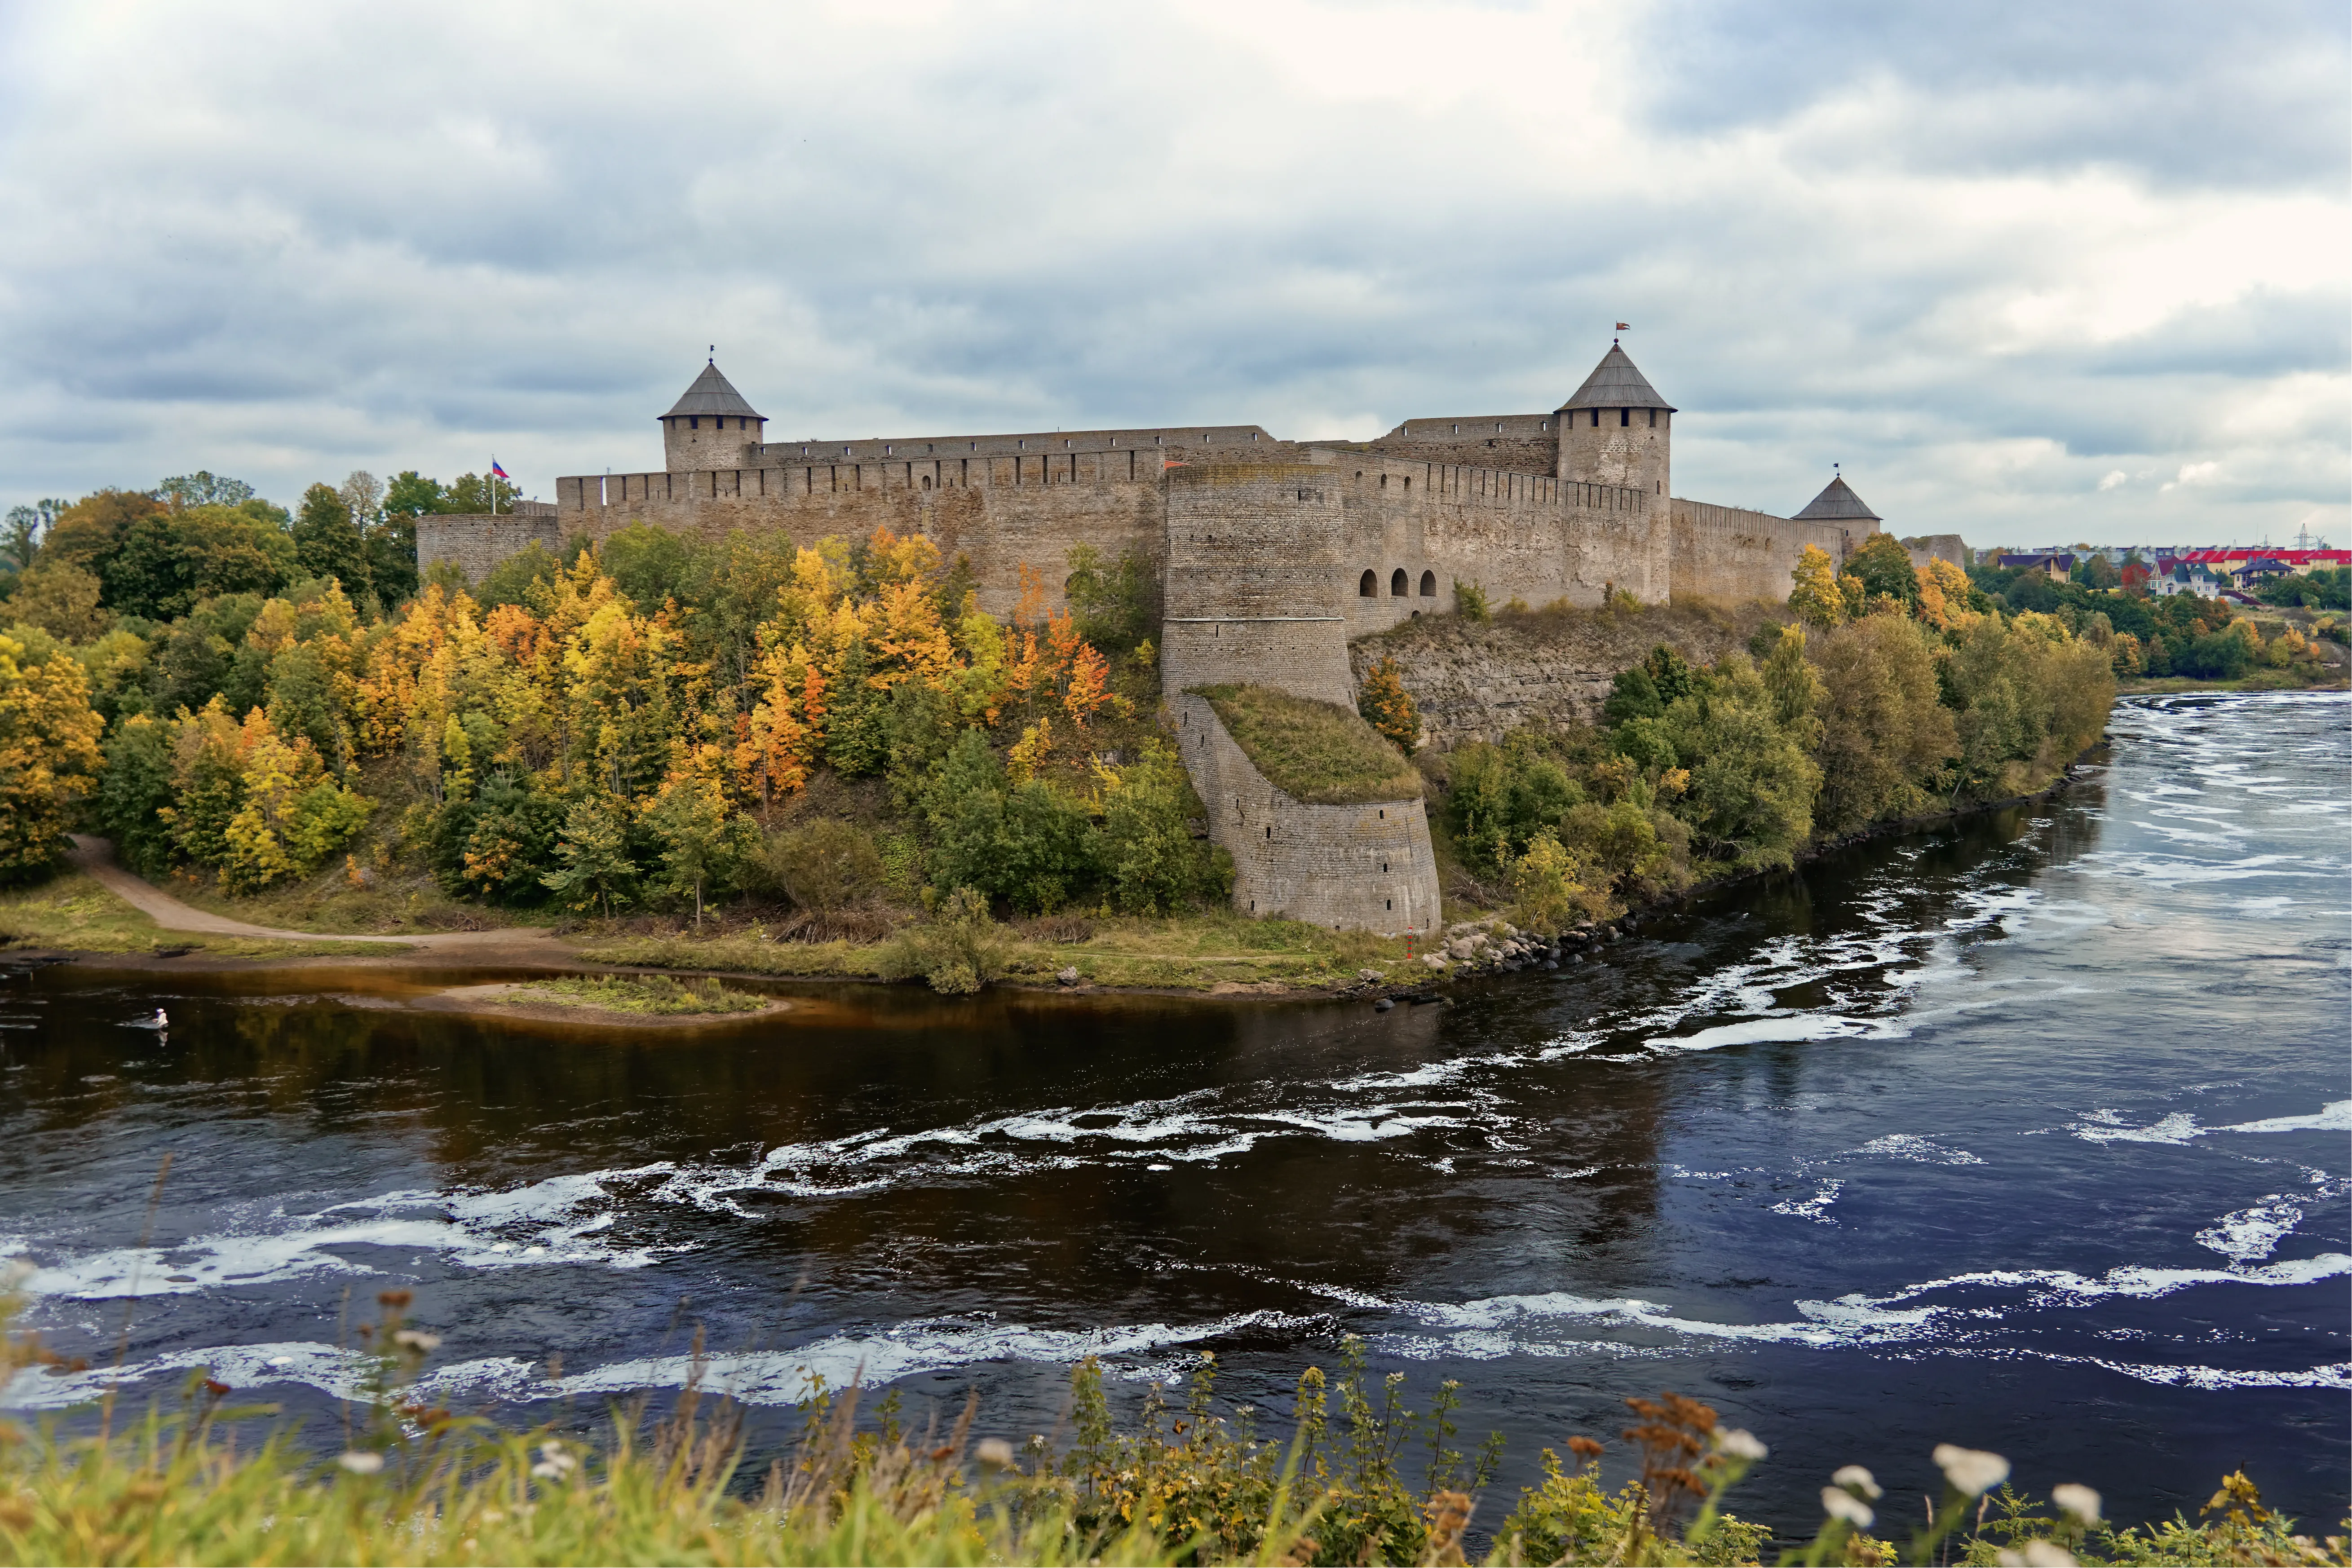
710,428
1617,430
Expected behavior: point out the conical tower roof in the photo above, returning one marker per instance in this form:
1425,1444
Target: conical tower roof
713,393
1615,384
1838,503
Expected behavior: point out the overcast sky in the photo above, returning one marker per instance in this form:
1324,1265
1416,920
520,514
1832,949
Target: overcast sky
2032,272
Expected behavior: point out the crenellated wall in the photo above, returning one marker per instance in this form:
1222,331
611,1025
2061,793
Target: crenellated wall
1359,867
1734,554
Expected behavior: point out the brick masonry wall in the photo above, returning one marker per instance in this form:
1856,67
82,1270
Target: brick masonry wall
1360,867
1736,555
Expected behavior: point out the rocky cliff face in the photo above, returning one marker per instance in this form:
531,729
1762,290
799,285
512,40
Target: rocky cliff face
1478,682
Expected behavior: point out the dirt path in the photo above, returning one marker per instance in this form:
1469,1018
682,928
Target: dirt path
96,856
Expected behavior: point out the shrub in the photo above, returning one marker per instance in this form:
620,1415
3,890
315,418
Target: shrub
960,948
822,865
1470,602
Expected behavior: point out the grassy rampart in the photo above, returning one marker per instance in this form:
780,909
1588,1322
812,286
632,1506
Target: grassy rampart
1316,753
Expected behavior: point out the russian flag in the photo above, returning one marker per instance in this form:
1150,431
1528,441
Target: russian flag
499,472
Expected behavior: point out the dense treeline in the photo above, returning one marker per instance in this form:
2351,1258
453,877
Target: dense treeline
1897,692
2205,639
640,724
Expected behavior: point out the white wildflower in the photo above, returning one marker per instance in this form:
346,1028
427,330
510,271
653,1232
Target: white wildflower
361,1463
556,1462
1740,1444
1858,1481
2079,1501
418,1341
996,1453
2047,1554
1970,1471
1844,1505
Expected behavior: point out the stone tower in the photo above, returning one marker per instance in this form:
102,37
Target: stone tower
1617,430
709,427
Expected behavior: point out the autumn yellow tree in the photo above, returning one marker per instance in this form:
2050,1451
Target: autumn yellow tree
48,748
1816,596
1388,707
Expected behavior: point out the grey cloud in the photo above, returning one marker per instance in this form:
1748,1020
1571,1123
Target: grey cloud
356,240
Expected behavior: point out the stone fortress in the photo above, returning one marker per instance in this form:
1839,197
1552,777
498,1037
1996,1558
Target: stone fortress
1273,554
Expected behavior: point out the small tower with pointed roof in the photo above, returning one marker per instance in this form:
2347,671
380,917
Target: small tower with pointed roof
1837,503
1617,430
709,427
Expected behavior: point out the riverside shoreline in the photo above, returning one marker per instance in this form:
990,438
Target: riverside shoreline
535,950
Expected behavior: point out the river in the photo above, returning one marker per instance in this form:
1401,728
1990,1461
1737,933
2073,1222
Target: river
2027,1133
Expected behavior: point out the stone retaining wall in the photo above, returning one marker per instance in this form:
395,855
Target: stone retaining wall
1354,868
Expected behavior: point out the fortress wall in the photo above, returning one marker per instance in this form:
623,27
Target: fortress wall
1253,579
1522,443
1365,868
1736,555
1034,518
1945,547
1515,535
476,542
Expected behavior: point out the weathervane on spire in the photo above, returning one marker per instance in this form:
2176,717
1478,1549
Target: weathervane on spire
1622,327
714,353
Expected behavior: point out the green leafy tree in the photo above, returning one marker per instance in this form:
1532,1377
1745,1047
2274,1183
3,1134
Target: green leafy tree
1499,798
91,532
168,562
474,493
1885,734
203,488
20,540
1751,786
595,870
1885,569
327,540
689,820
1116,603
61,599
1148,851
135,790
523,578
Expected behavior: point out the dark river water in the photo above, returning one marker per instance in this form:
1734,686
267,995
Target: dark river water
2030,1133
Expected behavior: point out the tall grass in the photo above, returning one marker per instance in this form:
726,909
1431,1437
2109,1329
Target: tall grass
1361,1478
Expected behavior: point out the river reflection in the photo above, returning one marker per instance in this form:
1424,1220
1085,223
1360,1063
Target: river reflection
2027,1133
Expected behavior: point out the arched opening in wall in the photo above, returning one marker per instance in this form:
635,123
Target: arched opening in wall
926,481
1398,583
1368,586
1428,585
